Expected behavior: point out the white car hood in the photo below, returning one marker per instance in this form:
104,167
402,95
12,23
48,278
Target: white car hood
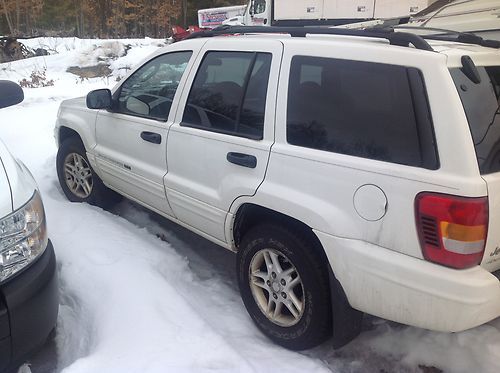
16,183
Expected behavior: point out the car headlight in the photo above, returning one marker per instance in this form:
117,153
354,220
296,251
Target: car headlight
23,237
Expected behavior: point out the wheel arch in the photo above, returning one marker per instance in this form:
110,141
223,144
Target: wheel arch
249,215
65,133
76,122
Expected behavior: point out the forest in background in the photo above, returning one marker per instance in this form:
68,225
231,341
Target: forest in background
100,18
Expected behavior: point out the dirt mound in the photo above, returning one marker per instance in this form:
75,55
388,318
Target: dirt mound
12,50
97,71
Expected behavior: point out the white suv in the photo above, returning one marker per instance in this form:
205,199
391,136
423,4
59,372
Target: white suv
352,172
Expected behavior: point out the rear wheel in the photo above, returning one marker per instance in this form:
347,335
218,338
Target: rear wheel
284,285
78,180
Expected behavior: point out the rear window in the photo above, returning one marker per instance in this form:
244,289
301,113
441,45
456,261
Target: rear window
481,104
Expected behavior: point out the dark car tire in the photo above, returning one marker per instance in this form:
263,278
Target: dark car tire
315,324
72,160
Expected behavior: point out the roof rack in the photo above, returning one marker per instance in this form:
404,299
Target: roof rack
403,39
451,35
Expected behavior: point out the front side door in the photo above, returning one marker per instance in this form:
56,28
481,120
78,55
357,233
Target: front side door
218,147
131,139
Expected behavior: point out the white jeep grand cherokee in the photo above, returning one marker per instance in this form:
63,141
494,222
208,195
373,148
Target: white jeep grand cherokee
351,171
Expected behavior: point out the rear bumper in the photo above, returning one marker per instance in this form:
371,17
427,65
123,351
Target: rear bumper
28,310
409,290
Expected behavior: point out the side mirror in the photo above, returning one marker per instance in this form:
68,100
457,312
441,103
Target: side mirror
10,93
252,8
99,99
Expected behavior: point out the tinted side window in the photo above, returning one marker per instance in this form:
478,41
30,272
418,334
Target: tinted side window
359,108
150,90
229,94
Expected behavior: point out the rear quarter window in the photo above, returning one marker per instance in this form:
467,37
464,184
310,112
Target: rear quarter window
363,109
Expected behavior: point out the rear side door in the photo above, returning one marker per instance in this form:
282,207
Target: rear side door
219,145
132,138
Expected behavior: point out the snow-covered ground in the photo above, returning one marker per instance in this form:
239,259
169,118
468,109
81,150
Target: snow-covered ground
139,294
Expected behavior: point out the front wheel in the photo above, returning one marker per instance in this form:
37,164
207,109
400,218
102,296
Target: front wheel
284,286
78,180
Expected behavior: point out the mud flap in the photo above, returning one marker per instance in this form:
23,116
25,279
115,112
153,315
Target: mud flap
346,321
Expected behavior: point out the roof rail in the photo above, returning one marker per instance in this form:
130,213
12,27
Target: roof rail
441,34
402,39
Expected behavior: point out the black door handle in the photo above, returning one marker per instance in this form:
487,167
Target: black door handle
155,138
245,160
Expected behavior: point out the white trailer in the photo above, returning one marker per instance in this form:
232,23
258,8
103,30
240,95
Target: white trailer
402,8
331,12
213,17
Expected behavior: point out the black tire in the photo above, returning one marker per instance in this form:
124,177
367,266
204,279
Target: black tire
315,324
100,195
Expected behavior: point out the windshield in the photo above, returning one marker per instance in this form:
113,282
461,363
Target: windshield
481,104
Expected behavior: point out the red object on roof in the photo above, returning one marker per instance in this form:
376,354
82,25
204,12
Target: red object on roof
179,33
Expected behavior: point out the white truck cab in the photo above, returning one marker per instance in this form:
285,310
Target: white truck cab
28,279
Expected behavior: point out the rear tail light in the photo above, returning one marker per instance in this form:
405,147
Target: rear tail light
452,230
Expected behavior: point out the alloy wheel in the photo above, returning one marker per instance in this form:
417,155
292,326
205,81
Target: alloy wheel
277,287
78,175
